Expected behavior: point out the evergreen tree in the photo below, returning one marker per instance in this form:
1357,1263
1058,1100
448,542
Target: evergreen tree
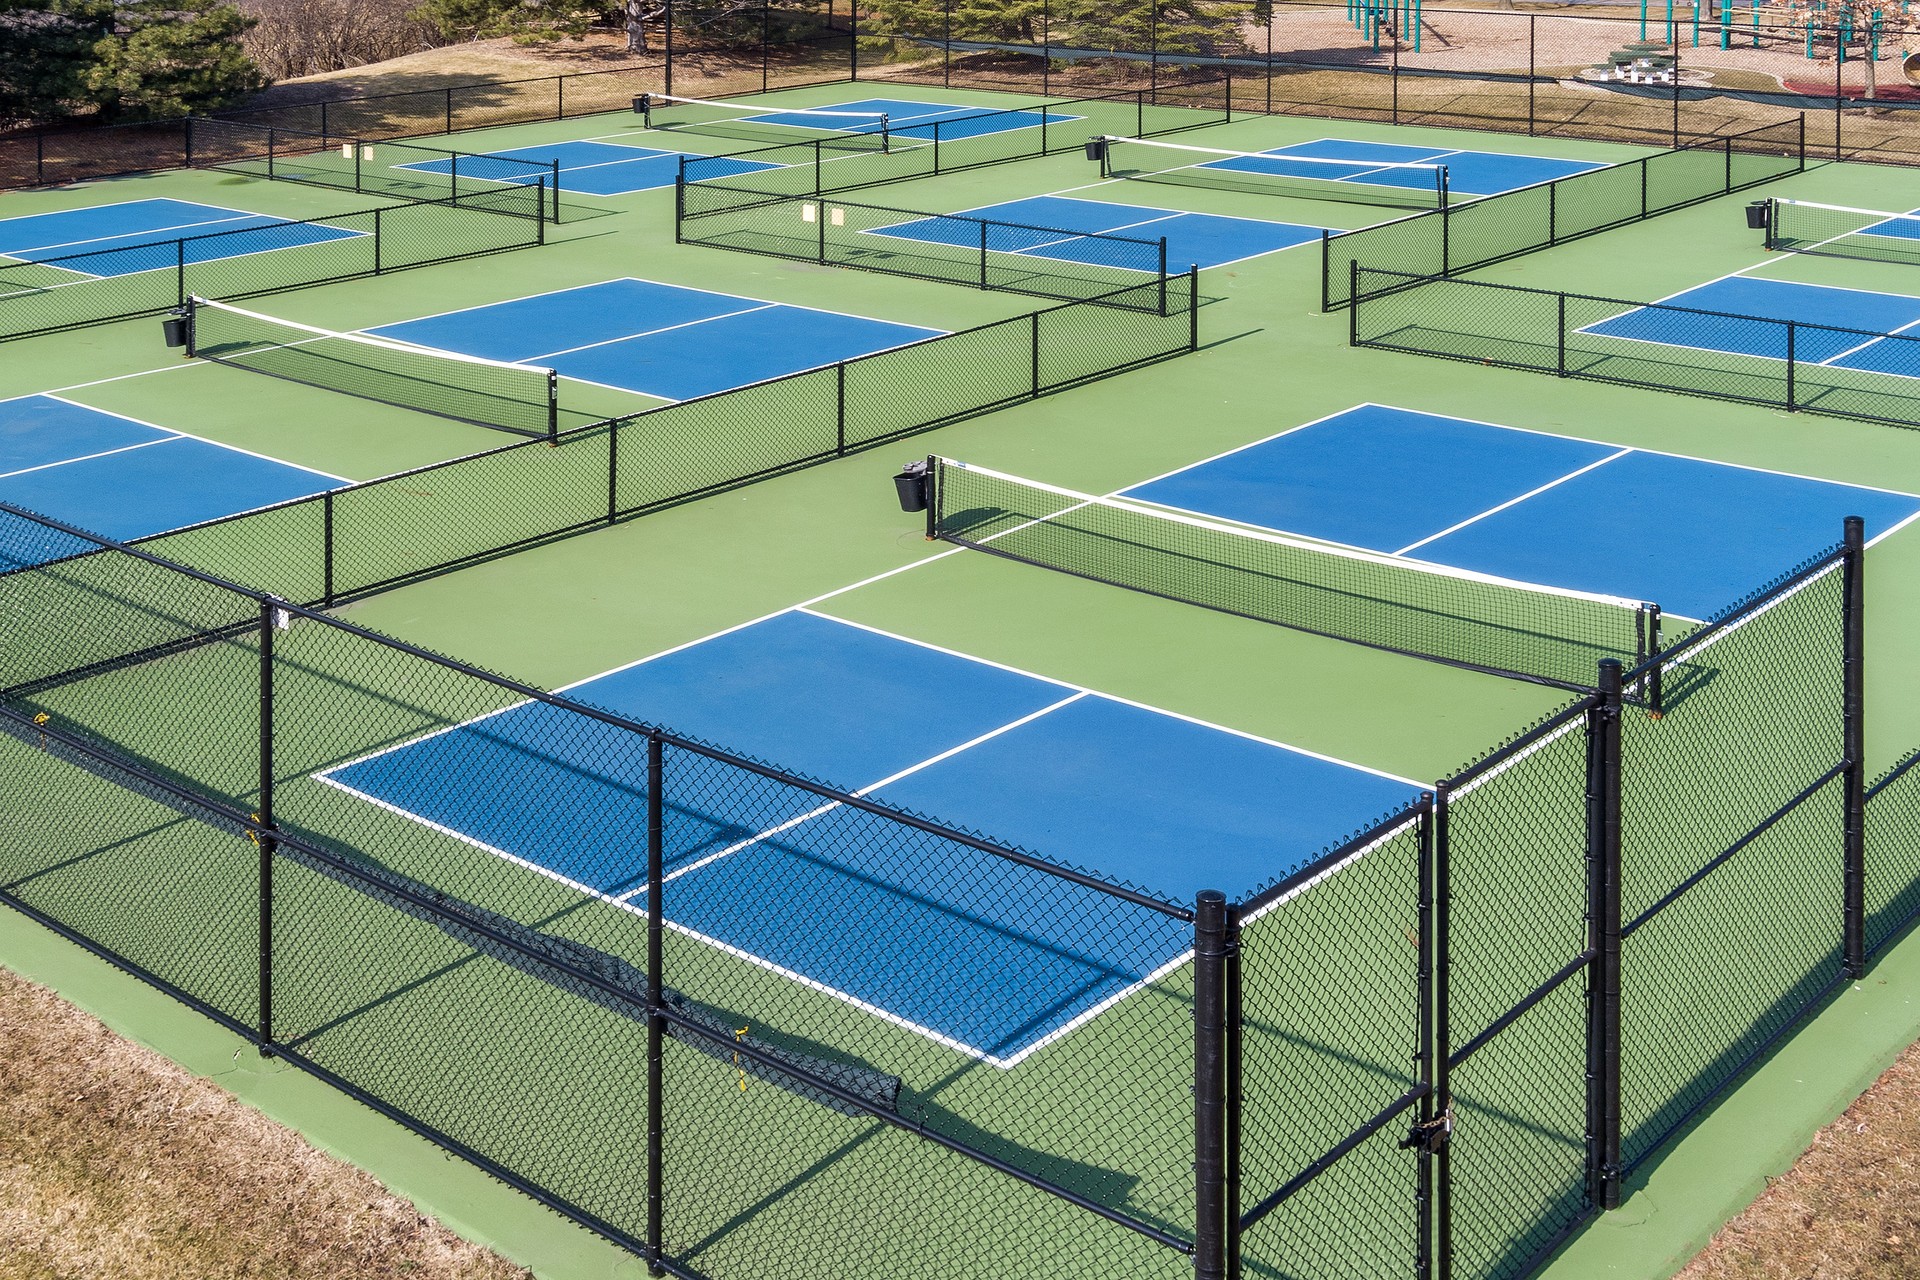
171,58
46,48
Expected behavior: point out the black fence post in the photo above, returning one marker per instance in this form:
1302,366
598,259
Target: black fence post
1673,42
1553,214
449,108
840,409
613,472
326,551
1853,702
1353,303
1162,258
667,49
376,242
1791,328
1235,1093
983,255
1839,95
1560,336
656,1019
1424,1049
1034,342
1193,307
1533,35
180,272
1211,947
263,838
1440,956
1603,940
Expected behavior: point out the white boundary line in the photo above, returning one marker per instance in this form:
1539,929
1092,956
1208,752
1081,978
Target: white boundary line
625,901
187,435
1169,215
1513,502
89,457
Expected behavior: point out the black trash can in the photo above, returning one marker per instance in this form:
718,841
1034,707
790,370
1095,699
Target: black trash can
1757,215
1096,149
174,327
641,103
912,484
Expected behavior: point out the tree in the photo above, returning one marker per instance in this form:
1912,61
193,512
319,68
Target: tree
172,58
46,47
1874,24
526,20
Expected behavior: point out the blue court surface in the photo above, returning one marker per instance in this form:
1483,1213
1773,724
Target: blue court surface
1193,239
1167,803
908,118
1471,173
590,168
123,239
660,340
125,479
1766,301
1689,535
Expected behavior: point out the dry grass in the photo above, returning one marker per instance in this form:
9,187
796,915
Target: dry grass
1849,1209
459,64
115,1162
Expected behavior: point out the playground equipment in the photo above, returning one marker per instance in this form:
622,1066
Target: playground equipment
1398,16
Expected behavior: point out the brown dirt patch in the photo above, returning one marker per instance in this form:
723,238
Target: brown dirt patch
1849,1209
116,1162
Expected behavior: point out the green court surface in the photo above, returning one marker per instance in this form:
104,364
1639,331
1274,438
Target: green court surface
555,614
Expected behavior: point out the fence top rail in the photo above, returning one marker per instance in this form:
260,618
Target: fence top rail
770,197
1415,280
266,600
1488,765
1330,860
1717,141
1738,614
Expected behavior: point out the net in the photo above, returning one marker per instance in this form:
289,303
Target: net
1548,635
488,393
842,130
1398,184
1799,226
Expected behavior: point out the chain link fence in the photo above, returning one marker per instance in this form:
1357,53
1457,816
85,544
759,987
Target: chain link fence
1787,364
1478,994
43,294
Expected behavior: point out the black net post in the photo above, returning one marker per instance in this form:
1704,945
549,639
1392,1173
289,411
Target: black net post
1773,224
263,837
1603,940
1212,946
553,406
656,1018
1853,676
933,498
